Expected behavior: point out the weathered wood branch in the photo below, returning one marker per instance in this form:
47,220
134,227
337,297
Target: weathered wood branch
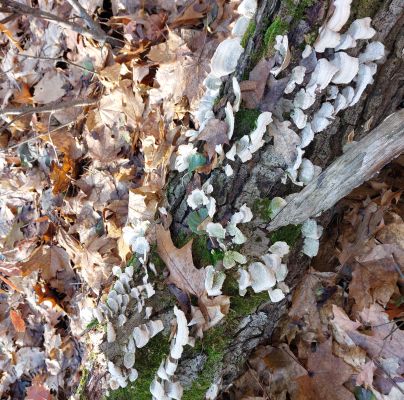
363,160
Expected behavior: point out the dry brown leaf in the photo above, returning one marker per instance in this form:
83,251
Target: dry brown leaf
23,96
365,377
103,144
50,88
305,304
374,277
54,264
285,141
183,272
384,340
17,321
214,133
9,34
258,76
62,175
327,375
38,392
192,14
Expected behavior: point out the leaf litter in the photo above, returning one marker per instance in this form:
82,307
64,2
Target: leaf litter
83,170
72,177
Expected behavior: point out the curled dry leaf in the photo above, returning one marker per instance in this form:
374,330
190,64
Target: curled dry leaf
214,133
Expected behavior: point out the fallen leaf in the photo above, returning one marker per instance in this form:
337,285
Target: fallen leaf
38,392
365,377
374,277
258,76
214,133
23,96
326,378
62,175
17,321
50,88
183,272
103,144
285,140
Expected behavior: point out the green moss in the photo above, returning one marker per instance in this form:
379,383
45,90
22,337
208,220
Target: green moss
311,37
201,254
262,207
366,8
217,339
148,360
297,11
93,324
277,27
248,33
80,393
245,122
156,260
289,234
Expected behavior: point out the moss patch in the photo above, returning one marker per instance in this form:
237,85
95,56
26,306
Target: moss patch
277,27
82,385
245,122
216,341
298,11
289,234
248,33
148,360
366,8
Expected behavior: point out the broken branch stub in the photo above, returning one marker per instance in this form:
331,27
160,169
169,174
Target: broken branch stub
364,159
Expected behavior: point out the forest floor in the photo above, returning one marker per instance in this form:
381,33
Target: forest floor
94,119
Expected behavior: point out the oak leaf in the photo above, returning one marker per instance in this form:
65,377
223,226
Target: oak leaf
61,175
183,272
214,133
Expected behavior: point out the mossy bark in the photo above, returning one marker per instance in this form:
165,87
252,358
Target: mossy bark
259,179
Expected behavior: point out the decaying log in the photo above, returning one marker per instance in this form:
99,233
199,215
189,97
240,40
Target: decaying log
360,162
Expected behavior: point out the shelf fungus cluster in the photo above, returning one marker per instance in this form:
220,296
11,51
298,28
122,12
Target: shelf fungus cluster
342,76
223,63
126,296
164,386
268,275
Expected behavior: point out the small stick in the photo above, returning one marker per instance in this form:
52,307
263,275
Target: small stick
53,106
11,6
62,59
83,14
42,135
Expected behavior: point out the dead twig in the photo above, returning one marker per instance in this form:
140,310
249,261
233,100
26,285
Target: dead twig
11,6
94,26
61,59
51,107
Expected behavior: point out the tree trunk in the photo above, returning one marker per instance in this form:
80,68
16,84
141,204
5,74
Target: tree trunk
259,178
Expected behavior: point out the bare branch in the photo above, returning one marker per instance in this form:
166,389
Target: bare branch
364,159
11,6
51,107
94,26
